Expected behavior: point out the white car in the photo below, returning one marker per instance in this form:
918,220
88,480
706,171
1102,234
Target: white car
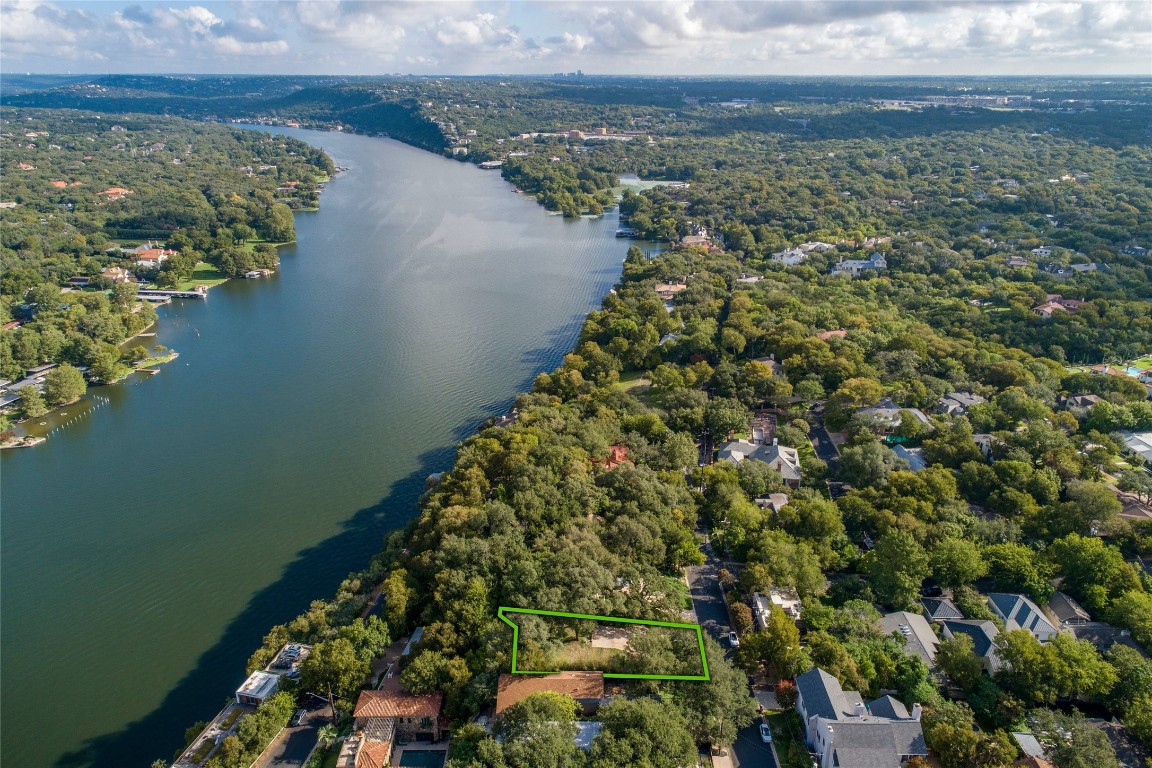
765,733
733,640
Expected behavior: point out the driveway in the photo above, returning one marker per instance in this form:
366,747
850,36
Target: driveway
291,748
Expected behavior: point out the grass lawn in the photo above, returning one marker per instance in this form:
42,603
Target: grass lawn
782,725
152,362
633,380
203,274
233,716
202,751
1142,363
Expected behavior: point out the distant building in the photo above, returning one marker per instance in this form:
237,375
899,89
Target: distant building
857,267
886,414
1043,252
790,257
784,599
1017,261
957,403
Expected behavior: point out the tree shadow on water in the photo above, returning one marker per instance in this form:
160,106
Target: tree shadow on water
313,574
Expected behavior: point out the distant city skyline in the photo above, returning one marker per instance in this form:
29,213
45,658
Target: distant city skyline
768,37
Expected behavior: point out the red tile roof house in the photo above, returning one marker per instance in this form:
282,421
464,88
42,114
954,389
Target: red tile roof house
390,714
153,257
617,455
587,688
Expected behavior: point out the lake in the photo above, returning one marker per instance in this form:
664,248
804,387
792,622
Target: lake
150,542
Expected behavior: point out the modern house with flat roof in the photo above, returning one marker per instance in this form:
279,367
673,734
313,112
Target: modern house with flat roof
258,687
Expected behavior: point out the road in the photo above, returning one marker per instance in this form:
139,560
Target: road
292,747
749,751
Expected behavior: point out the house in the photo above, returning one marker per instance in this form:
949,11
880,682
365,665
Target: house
1047,309
118,275
750,279
770,361
857,267
258,687
1066,612
390,713
617,455
1139,443
1103,636
1082,268
839,333
1057,270
983,634
773,502
115,193
1016,261
940,609
668,291
913,457
1136,250
763,427
886,415
784,599
790,257
695,240
1078,401
587,688
845,732
1019,612
153,257
957,403
919,639
79,281
58,184
783,459
1043,252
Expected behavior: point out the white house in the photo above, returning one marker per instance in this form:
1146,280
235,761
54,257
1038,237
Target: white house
790,257
856,267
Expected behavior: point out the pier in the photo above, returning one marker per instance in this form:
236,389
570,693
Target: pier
152,293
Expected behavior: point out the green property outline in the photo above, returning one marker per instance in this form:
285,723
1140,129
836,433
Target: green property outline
535,612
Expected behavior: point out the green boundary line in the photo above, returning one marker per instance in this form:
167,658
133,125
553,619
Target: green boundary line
500,612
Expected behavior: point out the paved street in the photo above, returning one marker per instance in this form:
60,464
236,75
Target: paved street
707,598
750,751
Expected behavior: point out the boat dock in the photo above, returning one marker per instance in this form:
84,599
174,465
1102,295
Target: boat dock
153,294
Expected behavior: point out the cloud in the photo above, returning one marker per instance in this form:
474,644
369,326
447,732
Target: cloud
666,37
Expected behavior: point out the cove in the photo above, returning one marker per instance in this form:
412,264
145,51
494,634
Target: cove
147,547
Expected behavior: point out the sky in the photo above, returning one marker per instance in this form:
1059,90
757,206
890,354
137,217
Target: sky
672,37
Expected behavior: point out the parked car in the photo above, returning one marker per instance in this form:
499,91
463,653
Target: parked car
733,640
765,733
298,717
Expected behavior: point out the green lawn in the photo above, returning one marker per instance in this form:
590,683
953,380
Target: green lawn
203,274
785,726
633,380
152,362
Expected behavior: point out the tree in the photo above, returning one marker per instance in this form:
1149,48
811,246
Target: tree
957,658
867,465
1133,678
1136,482
898,566
397,596
957,561
63,384
724,415
32,403
642,733
950,733
1015,567
777,647
716,710
1070,742
279,226
336,664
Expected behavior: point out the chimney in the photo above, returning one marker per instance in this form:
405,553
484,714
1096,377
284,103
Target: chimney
774,441
917,710
861,710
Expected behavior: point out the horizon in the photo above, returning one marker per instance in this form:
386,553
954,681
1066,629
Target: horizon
771,38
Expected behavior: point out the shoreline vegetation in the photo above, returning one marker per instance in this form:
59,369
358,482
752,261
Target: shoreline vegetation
887,286
98,209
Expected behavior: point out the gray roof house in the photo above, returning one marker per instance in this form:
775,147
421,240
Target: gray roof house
1018,612
957,403
1066,612
913,457
1103,636
783,459
919,639
940,608
847,733
983,634
887,414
